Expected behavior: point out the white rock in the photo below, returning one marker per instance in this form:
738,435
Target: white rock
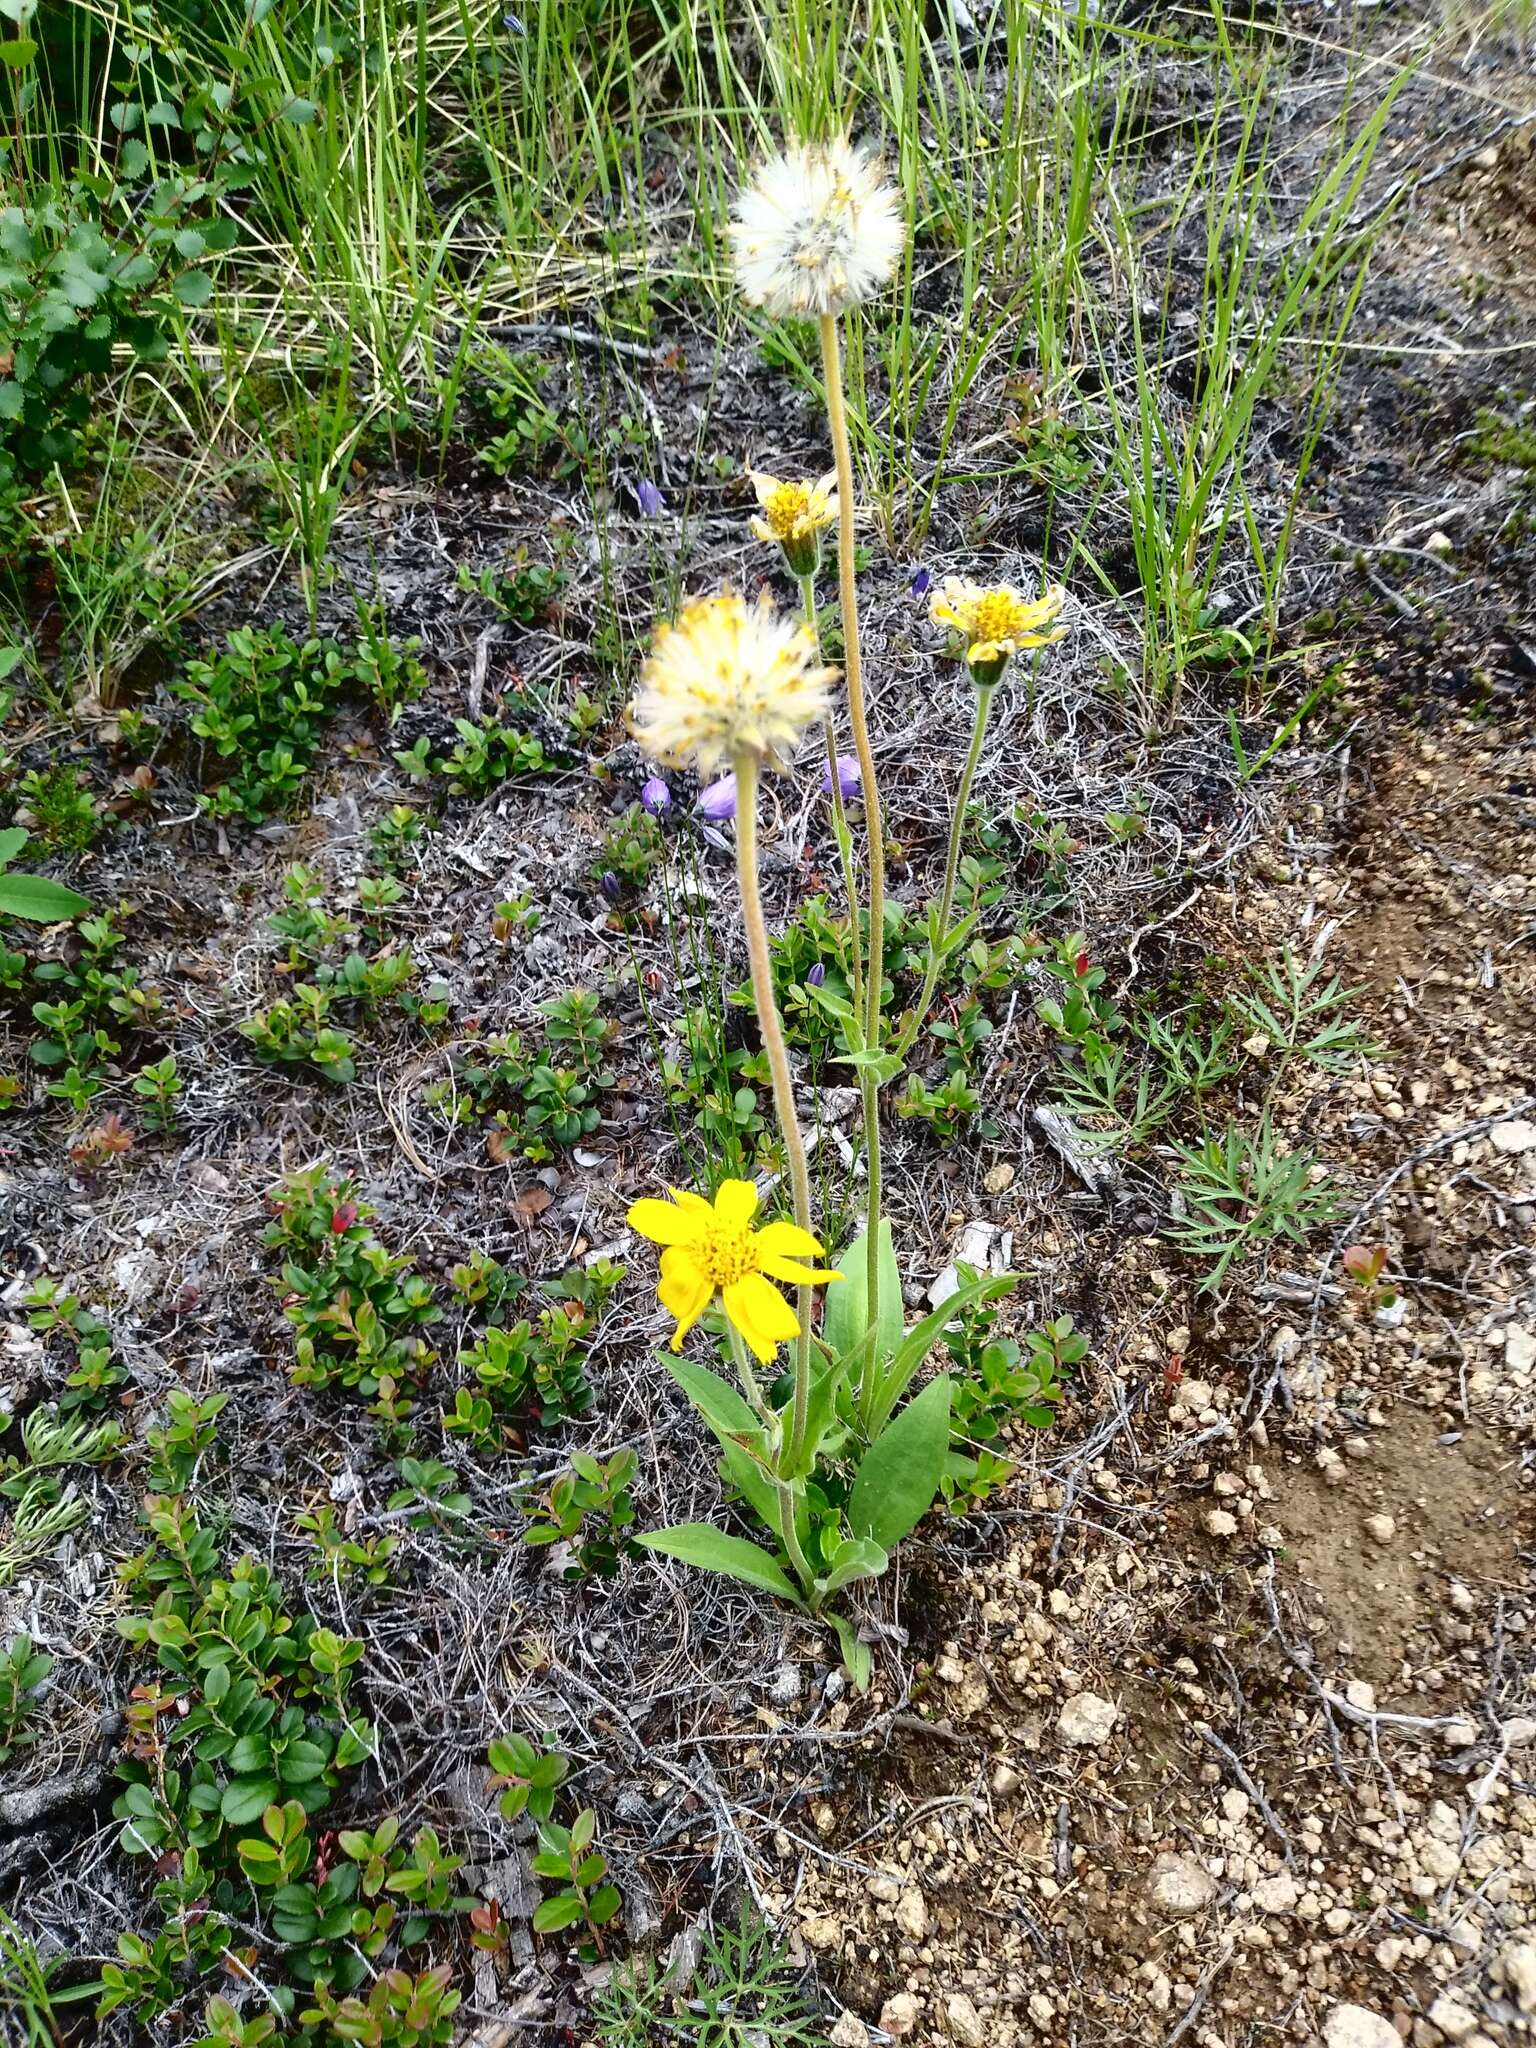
1517,1966
1179,1885
1519,1348
964,2021
912,1914
1220,1524
1518,1135
1519,1731
1356,2026
1452,2017
1005,1781
885,1886
1234,1804
1380,1529
1460,1597
824,1932
898,2015
849,2032
1087,1721
1276,1894
1360,1693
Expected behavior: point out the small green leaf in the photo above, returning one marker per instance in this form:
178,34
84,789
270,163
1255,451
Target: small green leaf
711,1550
193,288
18,53
563,1910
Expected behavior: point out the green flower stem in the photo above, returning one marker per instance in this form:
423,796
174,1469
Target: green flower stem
984,694
840,830
874,962
784,1489
745,766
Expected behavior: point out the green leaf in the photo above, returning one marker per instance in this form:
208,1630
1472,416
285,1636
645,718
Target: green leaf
44,902
300,112
883,1066
193,288
18,53
856,1655
247,1799
921,1338
856,1557
716,1399
711,1550
563,1910
901,1470
13,838
847,1316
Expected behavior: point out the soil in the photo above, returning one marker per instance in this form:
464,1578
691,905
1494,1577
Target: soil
1284,1530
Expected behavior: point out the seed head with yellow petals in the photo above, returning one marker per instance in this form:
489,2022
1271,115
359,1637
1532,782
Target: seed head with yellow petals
728,679
997,622
794,515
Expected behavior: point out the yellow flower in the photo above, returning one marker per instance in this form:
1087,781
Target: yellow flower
728,678
997,622
713,1250
817,229
793,510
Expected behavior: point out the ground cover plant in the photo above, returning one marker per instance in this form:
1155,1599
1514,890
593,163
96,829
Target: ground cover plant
765,1023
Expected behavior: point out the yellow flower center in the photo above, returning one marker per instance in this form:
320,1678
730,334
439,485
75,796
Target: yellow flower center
724,1255
786,508
998,616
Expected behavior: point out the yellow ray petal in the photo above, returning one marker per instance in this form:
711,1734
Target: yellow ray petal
664,1222
736,1203
761,1314
683,1290
788,1241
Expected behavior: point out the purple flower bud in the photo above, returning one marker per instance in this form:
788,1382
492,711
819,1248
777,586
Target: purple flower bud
921,583
655,796
848,782
652,504
611,886
817,975
511,22
718,801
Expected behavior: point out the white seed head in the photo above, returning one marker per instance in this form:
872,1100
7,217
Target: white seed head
817,229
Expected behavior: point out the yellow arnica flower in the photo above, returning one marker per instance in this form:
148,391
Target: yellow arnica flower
712,1250
999,621
817,229
728,678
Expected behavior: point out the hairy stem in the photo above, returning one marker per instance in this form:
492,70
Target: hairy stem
840,830
746,769
914,1024
874,977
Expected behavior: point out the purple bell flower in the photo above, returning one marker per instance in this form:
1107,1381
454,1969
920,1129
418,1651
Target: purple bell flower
920,583
611,886
848,781
655,796
718,801
652,504
817,975
511,21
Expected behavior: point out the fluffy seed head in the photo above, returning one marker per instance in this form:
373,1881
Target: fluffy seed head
817,229
728,678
